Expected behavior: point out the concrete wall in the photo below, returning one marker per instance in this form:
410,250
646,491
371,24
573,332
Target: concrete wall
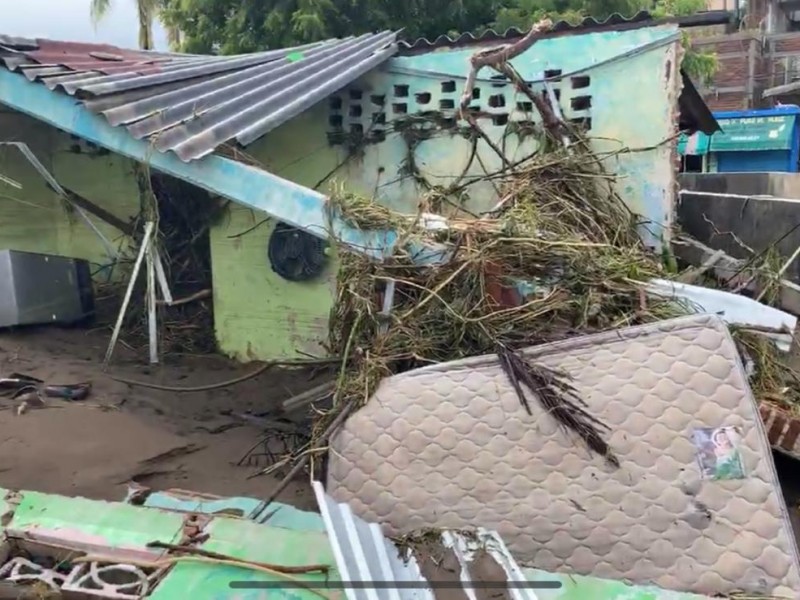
631,102
626,83
785,185
258,314
756,222
33,218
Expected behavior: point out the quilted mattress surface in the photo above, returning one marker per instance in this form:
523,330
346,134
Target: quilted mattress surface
451,446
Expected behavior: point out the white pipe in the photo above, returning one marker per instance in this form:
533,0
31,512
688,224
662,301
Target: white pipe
162,277
148,232
152,324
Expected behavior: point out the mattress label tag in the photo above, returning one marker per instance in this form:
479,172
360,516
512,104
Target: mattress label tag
718,453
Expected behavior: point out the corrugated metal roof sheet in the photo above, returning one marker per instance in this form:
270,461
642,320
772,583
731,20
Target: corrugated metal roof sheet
363,554
491,35
614,21
191,104
694,112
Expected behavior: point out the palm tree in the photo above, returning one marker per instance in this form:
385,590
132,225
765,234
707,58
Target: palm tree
147,10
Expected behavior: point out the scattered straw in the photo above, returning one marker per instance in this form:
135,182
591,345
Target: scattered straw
772,380
560,227
361,213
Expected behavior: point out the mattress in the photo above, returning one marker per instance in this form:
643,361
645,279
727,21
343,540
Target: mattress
694,506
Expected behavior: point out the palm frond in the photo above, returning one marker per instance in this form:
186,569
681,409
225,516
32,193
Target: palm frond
99,9
147,10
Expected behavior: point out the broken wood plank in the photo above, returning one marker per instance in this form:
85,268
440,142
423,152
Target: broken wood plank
785,266
201,295
305,399
692,275
99,212
733,271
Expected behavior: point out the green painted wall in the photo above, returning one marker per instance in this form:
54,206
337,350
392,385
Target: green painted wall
258,315
34,219
633,104
79,522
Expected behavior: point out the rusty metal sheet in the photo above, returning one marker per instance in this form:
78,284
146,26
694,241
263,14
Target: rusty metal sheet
192,104
614,21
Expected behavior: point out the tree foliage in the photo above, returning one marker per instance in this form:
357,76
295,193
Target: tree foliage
147,12
238,26
699,65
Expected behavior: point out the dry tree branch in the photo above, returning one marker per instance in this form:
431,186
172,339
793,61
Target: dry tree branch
496,57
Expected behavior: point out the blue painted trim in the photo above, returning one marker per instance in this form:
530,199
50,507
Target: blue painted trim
794,155
246,185
758,112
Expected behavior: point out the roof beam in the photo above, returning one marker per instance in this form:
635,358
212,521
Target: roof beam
258,189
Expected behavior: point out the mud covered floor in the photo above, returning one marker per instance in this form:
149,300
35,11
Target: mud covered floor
440,565
121,433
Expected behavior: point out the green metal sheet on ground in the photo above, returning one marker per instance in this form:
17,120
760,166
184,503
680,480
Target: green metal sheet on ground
290,517
578,587
109,523
282,515
754,133
247,540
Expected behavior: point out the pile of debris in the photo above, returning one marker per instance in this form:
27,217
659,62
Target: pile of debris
560,231
558,257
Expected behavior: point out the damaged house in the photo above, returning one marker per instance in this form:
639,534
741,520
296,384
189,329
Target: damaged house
526,365
250,146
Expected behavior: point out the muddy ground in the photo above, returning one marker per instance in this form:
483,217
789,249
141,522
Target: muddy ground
93,448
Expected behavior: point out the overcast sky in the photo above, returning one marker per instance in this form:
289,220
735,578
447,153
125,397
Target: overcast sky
69,20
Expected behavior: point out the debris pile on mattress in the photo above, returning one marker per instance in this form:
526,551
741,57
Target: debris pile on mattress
558,257
560,230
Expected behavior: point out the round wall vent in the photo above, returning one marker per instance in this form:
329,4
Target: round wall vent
296,255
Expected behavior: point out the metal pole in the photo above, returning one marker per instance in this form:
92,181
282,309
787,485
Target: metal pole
152,323
148,232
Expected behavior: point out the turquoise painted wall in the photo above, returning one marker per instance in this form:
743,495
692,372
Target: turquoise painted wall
33,218
627,83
